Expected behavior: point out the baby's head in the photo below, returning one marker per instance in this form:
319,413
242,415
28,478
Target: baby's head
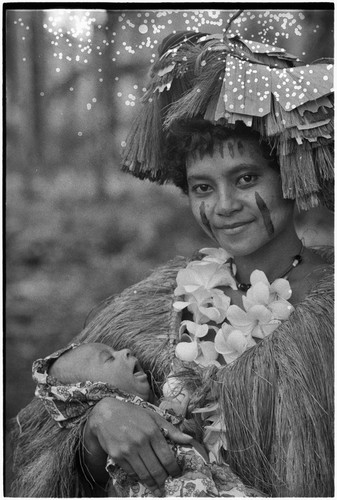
101,363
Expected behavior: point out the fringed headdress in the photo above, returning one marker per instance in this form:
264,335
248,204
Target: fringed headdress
228,80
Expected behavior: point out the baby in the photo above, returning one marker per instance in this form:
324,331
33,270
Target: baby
88,372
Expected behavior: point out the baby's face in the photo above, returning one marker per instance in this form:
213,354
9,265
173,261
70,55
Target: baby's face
101,363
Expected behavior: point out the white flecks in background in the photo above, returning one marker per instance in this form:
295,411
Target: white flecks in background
81,36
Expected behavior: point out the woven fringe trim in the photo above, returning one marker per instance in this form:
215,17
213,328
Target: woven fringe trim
46,457
144,143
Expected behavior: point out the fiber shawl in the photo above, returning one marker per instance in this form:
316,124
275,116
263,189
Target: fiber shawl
277,398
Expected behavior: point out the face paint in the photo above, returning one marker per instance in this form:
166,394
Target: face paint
221,147
205,221
241,148
265,214
231,149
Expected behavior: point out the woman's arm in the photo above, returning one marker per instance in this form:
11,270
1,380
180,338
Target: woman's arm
132,437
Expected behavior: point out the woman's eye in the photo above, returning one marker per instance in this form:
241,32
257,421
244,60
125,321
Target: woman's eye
247,179
201,188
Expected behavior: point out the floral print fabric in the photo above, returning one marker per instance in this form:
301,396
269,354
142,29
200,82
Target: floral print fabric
198,479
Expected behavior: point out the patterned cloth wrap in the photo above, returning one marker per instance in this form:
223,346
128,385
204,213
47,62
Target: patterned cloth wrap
68,403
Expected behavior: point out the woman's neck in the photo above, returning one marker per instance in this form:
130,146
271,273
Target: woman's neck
274,259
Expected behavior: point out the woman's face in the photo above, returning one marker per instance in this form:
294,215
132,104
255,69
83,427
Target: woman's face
236,196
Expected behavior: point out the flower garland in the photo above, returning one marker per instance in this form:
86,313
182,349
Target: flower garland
265,306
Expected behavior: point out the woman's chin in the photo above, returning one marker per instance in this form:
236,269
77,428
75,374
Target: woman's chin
239,249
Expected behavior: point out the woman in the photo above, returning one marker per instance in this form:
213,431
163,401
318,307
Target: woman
219,122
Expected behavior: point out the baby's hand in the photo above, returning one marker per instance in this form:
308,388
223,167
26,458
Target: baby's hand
176,397
176,406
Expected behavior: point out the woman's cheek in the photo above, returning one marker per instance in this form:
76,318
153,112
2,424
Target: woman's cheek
265,213
194,206
199,210
203,216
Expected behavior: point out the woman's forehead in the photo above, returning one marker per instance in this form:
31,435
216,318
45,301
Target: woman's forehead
238,143
234,149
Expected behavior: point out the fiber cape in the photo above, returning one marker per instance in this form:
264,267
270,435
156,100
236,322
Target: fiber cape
277,398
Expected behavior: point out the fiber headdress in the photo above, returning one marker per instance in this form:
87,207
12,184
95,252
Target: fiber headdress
227,80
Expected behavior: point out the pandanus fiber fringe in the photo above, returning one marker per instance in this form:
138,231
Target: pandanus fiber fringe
145,140
46,460
281,441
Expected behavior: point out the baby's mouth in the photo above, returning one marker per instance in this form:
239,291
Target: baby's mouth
137,369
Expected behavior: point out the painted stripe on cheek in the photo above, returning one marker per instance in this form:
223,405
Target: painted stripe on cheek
265,214
205,220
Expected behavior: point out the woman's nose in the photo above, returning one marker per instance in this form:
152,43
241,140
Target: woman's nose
227,202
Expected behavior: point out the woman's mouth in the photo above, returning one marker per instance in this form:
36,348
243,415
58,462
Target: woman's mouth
235,227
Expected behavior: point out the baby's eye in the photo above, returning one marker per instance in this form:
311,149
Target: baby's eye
246,179
109,357
201,188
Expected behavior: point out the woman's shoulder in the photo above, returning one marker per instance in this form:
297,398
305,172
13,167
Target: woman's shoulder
325,252
315,272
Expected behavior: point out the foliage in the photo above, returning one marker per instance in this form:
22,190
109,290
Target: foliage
68,249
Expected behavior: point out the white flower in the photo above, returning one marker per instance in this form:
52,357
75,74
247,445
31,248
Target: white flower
264,308
187,351
218,255
231,343
190,348
273,296
203,275
203,353
258,321
214,437
193,328
208,354
206,305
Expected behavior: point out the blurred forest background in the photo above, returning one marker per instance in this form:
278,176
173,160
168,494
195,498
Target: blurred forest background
77,230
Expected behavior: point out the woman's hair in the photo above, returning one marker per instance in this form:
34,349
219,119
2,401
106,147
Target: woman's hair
200,137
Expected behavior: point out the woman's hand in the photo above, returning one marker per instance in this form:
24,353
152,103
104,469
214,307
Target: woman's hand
132,437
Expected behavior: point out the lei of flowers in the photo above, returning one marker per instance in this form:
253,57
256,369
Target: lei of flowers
265,306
